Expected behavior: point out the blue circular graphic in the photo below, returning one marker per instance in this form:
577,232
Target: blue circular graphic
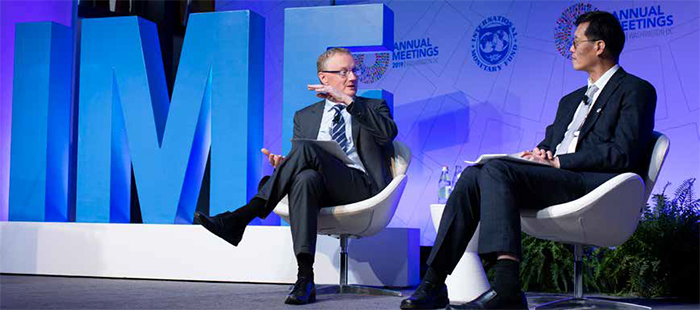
563,32
379,65
494,43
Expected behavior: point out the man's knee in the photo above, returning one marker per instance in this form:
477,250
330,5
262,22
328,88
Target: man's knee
302,146
467,178
308,178
497,169
466,185
302,151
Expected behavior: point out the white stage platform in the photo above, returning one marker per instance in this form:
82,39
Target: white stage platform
189,252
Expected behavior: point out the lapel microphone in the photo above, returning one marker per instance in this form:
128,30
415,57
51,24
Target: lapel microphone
585,100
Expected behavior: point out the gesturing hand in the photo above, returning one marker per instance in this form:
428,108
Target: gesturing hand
329,92
274,159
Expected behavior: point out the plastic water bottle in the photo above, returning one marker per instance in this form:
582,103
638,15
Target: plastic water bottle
444,187
458,173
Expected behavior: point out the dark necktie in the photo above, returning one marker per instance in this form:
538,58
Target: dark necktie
338,130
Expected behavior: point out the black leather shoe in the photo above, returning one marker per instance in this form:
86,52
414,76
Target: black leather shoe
225,225
303,292
427,296
491,300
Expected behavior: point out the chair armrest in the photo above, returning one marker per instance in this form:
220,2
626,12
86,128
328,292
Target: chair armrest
362,218
606,216
616,186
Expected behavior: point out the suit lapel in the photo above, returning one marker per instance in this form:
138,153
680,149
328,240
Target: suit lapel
315,120
602,100
355,129
572,106
562,124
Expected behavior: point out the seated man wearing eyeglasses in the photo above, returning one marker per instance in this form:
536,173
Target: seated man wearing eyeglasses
312,177
600,130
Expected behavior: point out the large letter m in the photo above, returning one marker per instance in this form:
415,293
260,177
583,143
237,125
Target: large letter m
127,122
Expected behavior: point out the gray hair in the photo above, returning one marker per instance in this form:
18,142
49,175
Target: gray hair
321,62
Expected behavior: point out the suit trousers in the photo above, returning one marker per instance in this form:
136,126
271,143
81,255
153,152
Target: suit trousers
493,195
313,179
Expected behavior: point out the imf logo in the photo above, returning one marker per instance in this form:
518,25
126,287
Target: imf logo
563,32
372,66
494,43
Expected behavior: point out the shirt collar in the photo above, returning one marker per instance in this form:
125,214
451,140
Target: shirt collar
600,83
329,105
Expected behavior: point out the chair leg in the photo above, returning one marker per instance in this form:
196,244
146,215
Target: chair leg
578,301
578,271
356,289
590,303
343,287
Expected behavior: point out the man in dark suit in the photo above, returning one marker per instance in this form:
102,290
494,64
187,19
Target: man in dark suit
312,177
599,131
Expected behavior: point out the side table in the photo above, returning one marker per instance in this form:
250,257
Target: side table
468,280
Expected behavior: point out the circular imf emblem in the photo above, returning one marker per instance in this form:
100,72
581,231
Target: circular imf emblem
494,43
563,34
372,73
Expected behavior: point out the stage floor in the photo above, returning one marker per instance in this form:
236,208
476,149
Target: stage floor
53,292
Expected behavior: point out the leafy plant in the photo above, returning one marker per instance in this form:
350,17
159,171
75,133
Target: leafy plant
666,246
662,258
546,265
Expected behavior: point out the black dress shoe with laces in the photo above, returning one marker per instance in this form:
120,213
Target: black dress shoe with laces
492,300
303,292
428,295
225,225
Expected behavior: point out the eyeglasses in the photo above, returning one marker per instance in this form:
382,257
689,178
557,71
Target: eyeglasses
576,43
344,73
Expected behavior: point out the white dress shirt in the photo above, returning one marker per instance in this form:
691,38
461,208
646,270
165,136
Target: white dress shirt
600,83
324,133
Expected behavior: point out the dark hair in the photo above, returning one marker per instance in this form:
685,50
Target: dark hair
604,26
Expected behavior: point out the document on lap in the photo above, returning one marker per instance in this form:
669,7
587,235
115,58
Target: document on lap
483,159
331,147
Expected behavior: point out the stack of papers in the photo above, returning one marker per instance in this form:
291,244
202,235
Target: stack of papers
510,157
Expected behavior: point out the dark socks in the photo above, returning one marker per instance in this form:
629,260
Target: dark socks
305,261
507,277
434,276
250,211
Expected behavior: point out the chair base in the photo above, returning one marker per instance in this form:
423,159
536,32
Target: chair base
590,303
343,287
356,289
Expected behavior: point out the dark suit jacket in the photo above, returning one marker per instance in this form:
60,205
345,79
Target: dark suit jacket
373,131
616,135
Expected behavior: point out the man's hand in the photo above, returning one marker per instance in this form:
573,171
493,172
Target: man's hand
274,159
329,92
541,156
541,153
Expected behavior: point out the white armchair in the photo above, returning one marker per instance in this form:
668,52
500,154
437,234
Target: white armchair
607,216
361,219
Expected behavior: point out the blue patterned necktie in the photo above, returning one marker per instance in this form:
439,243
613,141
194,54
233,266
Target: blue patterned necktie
338,130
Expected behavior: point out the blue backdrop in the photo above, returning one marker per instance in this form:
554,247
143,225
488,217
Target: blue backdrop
451,105
467,77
